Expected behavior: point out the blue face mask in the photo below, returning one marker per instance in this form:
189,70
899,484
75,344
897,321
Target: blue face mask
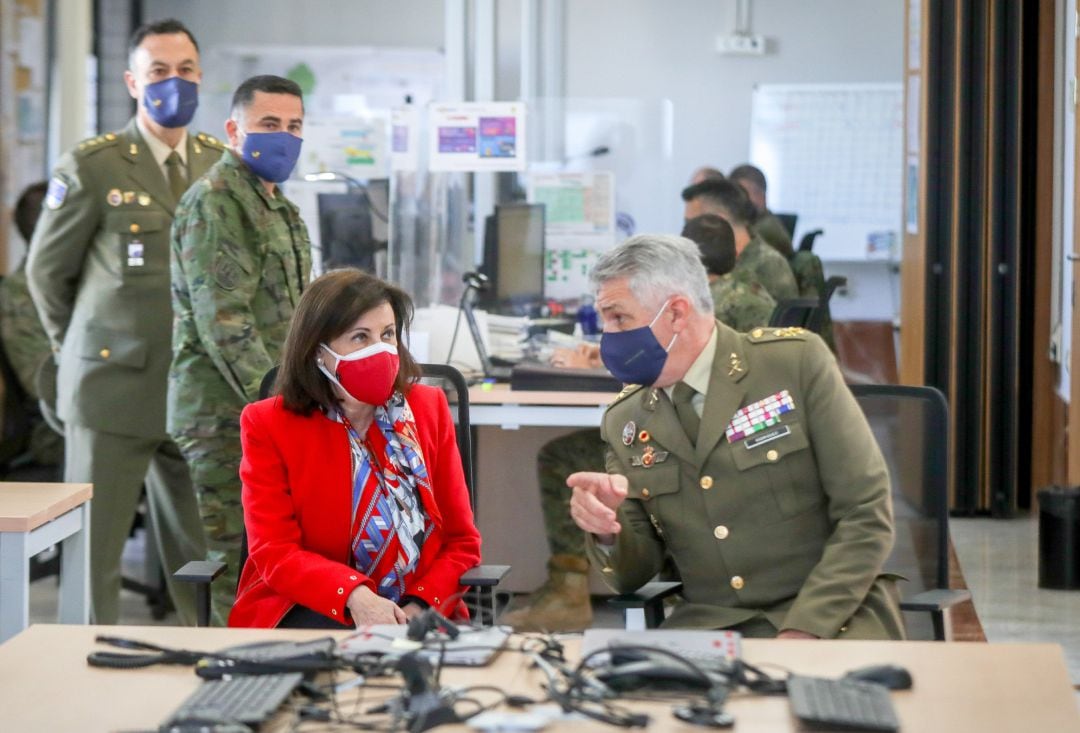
635,356
172,102
271,155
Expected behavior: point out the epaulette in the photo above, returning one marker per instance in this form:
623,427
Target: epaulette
627,390
765,335
210,141
93,144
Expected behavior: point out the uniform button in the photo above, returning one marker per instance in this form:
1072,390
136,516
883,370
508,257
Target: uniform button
706,482
772,455
645,493
737,582
341,591
333,612
134,228
105,353
721,532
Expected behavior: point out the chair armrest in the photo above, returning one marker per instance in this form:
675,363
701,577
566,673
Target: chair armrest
484,575
647,594
938,599
200,571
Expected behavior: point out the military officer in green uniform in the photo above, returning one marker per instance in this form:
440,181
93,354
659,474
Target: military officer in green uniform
766,224
25,342
743,457
99,275
240,258
755,260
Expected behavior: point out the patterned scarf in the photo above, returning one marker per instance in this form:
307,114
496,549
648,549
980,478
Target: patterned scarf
390,489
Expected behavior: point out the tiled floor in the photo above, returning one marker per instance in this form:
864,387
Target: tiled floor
999,559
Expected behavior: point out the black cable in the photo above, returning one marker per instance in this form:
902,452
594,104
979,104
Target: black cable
457,324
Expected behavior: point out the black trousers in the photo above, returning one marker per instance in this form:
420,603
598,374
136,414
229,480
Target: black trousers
302,617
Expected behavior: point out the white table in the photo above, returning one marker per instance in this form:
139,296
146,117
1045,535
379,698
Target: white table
498,405
33,517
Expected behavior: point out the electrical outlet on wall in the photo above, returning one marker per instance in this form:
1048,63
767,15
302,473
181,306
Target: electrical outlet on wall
741,44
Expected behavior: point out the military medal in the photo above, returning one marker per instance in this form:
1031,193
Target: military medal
759,415
628,433
644,436
114,197
144,199
649,457
129,197
135,254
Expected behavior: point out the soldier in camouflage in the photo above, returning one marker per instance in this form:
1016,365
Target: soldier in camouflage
25,341
240,259
755,260
766,224
562,602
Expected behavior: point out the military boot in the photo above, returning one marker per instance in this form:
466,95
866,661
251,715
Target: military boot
561,603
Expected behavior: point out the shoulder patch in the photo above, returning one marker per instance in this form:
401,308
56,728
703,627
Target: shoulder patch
764,335
209,141
56,193
627,390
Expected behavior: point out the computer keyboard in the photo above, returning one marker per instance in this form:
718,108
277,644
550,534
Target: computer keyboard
841,704
247,699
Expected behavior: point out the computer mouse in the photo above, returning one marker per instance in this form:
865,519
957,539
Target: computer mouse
891,676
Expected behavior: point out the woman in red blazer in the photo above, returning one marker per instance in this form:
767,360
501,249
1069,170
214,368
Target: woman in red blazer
355,502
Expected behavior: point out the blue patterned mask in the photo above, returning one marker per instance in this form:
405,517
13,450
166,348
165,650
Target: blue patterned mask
271,155
635,356
171,102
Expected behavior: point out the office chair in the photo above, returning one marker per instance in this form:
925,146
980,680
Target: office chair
481,580
795,312
788,221
806,244
910,425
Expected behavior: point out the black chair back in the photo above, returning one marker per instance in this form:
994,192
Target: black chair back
795,312
806,244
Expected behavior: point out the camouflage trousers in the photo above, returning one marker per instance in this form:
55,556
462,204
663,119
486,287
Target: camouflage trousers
582,450
215,472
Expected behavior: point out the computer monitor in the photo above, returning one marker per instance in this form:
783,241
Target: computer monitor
352,227
514,257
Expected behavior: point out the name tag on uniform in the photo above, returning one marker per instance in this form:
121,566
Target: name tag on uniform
135,251
770,436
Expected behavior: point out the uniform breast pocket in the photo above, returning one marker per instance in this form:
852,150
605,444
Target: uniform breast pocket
141,239
780,457
657,488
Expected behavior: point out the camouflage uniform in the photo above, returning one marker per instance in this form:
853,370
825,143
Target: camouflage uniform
772,230
27,346
761,263
240,258
741,305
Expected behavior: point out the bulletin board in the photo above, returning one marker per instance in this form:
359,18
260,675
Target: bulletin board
833,155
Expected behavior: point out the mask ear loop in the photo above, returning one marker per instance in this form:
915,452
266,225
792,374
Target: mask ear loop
657,318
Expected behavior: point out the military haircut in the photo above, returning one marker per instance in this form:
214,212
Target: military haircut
28,209
657,266
267,84
329,307
157,28
747,172
726,196
716,241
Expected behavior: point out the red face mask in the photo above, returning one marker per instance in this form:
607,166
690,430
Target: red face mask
366,375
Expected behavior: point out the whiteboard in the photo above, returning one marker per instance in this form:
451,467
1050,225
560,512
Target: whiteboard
833,155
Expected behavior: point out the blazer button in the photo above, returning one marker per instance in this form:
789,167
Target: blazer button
645,493
420,587
333,612
772,455
737,583
721,532
134,228
341,591
706,482
105,353
437,600
352,577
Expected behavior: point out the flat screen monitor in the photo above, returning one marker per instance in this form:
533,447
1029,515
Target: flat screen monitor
514,255
352,228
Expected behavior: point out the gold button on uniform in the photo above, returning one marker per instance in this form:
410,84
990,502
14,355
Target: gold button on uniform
134,228
645,493
758,333
706,482
737,582
772,455
105,353
721,532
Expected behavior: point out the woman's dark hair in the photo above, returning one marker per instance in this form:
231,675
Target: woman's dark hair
328,308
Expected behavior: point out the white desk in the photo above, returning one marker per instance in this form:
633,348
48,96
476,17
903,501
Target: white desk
959,687
498,405
34,517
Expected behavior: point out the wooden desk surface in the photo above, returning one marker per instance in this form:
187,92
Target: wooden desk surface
45,683
27,506
501,394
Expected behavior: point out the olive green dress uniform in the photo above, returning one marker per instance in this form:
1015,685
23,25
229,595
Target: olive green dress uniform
240,259
758,262
788,527
772,230
99,275
741,305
